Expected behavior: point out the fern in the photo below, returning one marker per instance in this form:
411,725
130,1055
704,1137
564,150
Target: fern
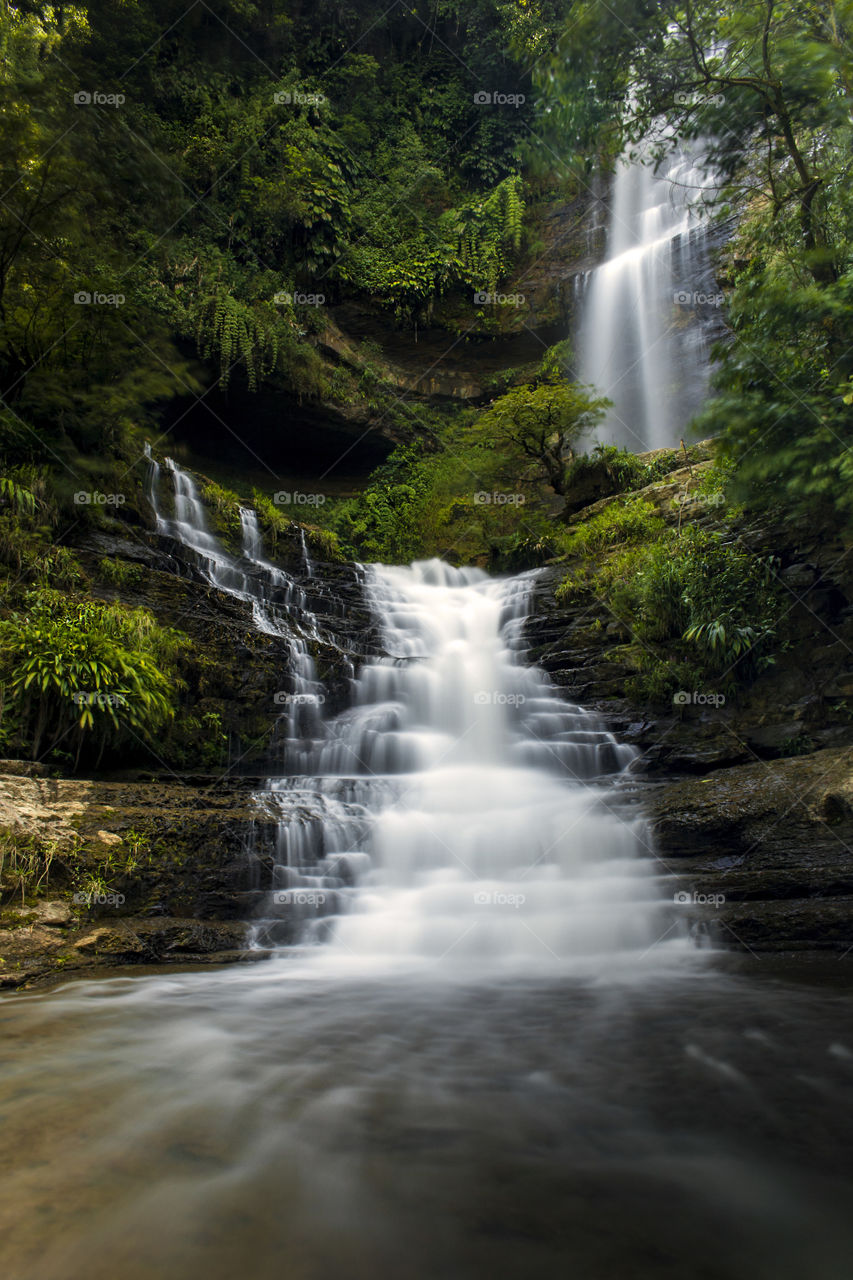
233,333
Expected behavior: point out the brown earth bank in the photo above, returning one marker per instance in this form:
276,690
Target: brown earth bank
132,870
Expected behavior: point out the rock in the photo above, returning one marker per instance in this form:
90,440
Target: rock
799,577
109,837
57,915
110,940
24,769
772,839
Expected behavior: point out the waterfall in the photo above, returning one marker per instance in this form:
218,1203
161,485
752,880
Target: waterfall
457,811
460,813
647,312
279,605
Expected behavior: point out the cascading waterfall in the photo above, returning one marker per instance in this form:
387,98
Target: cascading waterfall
460,812
647,312
458,808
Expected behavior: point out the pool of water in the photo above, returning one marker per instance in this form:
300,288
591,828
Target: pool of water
287,1120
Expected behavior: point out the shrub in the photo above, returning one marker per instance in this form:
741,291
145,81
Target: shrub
121,573
95,675
628,522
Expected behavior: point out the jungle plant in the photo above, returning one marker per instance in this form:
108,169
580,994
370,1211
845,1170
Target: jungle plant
91,673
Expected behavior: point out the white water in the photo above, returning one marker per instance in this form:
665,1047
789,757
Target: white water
461,814
646,310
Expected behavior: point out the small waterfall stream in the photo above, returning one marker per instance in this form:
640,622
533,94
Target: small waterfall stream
647,312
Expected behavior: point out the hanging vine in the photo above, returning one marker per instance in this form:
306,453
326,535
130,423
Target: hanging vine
232,332
485,232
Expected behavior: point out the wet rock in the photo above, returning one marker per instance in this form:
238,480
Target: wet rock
113,941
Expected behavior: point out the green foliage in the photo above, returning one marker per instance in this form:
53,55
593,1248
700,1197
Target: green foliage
543,423
26,862
620,470
120,573
97,675
233,332
700,606
780,406
620,523
485,231
225,505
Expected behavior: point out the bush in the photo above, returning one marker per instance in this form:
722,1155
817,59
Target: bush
622,522
121,573
85,674
697,604
618,470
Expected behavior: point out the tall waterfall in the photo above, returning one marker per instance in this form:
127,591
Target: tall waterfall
647,311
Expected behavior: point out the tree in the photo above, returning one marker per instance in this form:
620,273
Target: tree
544,423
